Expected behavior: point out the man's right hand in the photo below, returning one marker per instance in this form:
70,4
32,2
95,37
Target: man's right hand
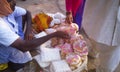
62,34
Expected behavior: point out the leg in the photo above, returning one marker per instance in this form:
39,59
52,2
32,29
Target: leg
4,54
109,58
15,57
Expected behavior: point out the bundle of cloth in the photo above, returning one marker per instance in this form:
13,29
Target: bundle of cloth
42,21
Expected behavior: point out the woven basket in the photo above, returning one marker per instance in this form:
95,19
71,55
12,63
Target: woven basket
79,69
83,66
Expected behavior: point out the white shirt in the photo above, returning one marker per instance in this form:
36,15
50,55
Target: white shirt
8,35
11,19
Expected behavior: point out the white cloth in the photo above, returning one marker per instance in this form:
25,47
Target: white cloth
116,38
50,54
118,68
59,66
7,36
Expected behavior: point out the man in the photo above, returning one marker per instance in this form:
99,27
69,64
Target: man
13,48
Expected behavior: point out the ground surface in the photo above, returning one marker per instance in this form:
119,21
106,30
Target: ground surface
47,6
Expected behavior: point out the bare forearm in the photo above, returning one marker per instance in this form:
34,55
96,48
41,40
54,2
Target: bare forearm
32,44
26,45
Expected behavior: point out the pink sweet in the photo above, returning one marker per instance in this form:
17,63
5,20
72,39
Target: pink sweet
69,28
66,48
80,47
73,59
76,44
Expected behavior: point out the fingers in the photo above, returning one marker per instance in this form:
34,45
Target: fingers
63,34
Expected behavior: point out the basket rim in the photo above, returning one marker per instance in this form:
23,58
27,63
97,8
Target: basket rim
82,66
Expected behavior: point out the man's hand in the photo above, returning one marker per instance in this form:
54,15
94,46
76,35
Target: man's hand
61,34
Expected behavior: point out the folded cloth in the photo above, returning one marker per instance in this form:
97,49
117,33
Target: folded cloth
50,54
60,66
46,44
41,64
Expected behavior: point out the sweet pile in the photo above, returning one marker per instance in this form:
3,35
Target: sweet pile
71,51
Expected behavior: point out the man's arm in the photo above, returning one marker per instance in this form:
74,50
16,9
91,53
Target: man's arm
25,45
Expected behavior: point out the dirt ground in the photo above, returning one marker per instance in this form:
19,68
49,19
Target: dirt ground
47,6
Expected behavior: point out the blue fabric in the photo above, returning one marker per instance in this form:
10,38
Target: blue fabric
20,27
14,55
78,17
10,20
4,53
15,20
